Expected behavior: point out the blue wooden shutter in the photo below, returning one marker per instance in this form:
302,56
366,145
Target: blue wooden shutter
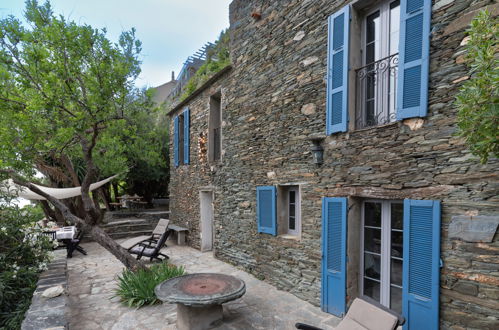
421,270
186,135
266,209
337,71
334,254
414,58
175,141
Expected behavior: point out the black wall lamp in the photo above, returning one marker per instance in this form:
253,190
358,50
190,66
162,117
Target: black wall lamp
317,150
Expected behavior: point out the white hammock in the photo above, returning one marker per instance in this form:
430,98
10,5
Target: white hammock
59,193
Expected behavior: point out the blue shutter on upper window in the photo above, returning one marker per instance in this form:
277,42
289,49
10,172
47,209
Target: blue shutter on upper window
175,141
337,71
186,135
414,58
266,209
334,254
421,269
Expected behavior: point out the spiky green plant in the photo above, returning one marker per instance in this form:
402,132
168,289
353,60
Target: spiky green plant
136,289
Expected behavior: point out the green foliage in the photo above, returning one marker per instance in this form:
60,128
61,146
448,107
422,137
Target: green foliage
217,58
23,254
478,98
136,289
63,86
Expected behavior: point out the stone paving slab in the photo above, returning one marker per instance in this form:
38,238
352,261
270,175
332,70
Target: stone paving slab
92,280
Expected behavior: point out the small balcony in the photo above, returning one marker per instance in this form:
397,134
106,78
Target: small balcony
376,92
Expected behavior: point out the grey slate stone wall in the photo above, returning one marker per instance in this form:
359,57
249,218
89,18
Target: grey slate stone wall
187,180
274,100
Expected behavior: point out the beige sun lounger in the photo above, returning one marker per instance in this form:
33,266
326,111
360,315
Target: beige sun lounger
161,227
365,316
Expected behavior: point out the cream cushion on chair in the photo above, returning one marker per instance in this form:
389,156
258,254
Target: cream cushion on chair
365,316
132,241
161,227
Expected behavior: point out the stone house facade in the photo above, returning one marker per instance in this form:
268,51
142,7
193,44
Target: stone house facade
394,207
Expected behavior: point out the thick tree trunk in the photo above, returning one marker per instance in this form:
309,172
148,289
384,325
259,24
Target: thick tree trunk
59,217
101,237
105,198
95,199
47,210
115,191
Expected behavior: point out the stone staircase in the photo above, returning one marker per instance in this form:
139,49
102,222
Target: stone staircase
122,224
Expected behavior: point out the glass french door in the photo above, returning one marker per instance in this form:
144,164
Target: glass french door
382,251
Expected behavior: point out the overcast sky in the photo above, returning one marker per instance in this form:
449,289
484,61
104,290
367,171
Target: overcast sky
170,30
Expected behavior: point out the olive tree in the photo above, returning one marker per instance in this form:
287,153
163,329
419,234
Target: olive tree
66,91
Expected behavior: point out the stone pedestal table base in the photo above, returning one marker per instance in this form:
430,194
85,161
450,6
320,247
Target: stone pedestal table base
198,318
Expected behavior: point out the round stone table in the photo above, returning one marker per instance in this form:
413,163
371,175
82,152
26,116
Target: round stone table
199,297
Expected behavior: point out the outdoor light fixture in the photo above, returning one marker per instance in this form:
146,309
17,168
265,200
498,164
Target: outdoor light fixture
317,150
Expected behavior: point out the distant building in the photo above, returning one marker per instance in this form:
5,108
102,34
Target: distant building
174,88
162,92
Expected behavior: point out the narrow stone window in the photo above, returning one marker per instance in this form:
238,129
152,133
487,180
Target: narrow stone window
382,252
376,80
215,129
289,211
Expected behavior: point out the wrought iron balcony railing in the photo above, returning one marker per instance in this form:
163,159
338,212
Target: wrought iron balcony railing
376,92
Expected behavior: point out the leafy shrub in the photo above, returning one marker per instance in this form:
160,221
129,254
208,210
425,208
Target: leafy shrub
478,98
23,254
136,289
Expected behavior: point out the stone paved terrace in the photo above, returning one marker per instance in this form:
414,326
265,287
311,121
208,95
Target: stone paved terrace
92,281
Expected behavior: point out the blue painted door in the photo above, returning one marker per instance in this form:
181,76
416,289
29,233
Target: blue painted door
421,273
334,252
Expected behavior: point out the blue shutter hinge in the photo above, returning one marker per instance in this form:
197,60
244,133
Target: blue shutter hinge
441,263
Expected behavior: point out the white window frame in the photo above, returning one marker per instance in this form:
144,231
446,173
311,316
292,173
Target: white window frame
385,255
283,205
388,101
297,230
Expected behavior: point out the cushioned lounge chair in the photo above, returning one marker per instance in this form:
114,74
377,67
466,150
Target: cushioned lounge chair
365,314
150,248
161,228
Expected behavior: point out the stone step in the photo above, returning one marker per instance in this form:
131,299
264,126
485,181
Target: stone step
125,221
130,234
124,214
125,234
128,227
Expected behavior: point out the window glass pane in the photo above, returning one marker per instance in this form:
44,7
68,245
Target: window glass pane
396,272
292,209
394,26
372,37
372,27
371,289
397,216
396,299
370,53
372,214
292,223
292,196
372,240
397,244
372,265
